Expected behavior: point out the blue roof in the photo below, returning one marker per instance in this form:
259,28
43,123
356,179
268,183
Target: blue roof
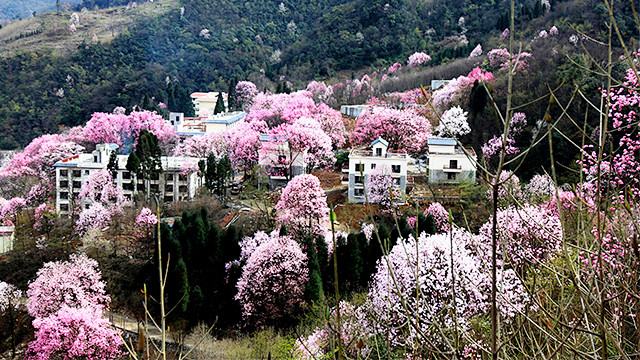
441,141
112,146
226,121
380,140
270,137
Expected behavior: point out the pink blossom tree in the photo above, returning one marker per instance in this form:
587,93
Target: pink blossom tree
74,333
503,60
201,146
440,216
12,208
245,91
75,283
145,221
44,215
304,137
460,88
381,189
244,143
477,51
96,216
420,319
303,202
99,187
493,147
403,129
417,59
540,188
124,129
9,297
271,288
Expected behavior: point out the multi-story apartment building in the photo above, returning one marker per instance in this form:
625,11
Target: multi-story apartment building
279,161
170,185
205,102
448,163
362,162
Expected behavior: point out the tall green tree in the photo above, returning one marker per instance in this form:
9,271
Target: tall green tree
219,105
217,174
232,99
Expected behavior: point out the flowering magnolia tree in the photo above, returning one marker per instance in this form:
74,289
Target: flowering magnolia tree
99,187
503,60
477,51
440,216
44,215
417,59
460,88
540,188
11,208
271,288
145,222
74,333
494,146
201,146
244,143
528,235
421,319
9,297
381,189
304,137
403,129
303,202
454,123
95,217
245,92
124,129
75,283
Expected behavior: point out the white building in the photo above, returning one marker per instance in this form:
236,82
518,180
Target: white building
6,238
190,126
71,174
363,162
278,159
353,110
448,163
205,102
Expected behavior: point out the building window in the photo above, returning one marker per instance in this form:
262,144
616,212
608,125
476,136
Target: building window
127,186
358,180
64,207
183,188
358,192
141,187
182,177
64,183
77,184
168,198
396,181
169,177
379,152
64,173
396,169
86,172
64,195
373,166
155,188
169,188
155,176
126,175
451,176
76,173
359,167
453,164
127,196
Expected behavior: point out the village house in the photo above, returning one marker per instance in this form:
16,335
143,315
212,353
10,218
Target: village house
362,162
205,102
170,185
448,163
191,126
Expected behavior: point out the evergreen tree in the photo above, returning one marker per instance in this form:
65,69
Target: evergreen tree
232,100
179,293
112,166
148,152
314,290
219,105
217,174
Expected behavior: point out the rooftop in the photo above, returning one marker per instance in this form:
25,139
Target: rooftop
441,141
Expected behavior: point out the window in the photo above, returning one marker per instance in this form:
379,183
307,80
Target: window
86,172
155,188
183,188
127,186
64,195
155,176
64,173
64,183
453,164
126,175
77,184
168,198
127,196
140,187
373,166
359,167
396,169
64,207
169,188
76,173
182,177
358,192
378,151
396,181
169,177
358,179
95,158
451,176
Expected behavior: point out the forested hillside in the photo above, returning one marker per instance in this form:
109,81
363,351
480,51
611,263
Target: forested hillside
202,45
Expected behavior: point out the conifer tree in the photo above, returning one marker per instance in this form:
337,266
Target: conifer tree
232,100
219,105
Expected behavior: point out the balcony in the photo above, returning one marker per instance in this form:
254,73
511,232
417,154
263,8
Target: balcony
370,153
452,168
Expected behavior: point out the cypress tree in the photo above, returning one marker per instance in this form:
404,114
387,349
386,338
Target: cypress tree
313,291
219,105
232,99
180,287
112,166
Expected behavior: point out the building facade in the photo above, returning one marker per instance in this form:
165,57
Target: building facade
279,161
204,103
363,162
170,185
448,162
191,126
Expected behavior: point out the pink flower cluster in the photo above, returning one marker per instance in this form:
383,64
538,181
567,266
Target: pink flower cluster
9,296
503,60
395,67
440,216
303,201
417,59
494,146
460,88
245,91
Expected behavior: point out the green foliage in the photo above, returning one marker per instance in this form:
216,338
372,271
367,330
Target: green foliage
219,105
112,166
217,174
148,152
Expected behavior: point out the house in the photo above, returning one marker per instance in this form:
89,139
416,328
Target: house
278,159
191,126
437,84
205,102
448,163
6,238
170,185
353,110
362,162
